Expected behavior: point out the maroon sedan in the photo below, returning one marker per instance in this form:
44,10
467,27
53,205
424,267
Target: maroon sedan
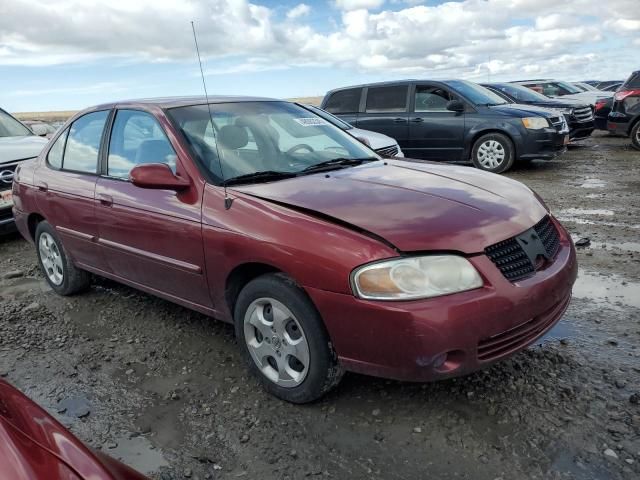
325,256
34,446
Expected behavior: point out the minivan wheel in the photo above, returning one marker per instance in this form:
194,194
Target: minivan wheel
493,152
635,136
284,340
61,275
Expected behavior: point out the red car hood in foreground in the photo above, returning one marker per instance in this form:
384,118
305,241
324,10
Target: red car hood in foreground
34,446
415,205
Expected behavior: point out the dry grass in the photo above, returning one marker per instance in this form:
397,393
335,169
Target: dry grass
64,115
45,116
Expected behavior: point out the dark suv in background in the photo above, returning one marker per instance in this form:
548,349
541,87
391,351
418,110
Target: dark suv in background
624,117
579,115
452,120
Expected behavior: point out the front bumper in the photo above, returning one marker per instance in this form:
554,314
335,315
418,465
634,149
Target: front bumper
450,335
545,144
581,130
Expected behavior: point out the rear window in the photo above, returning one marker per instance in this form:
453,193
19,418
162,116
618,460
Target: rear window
633,81
387,99
344,101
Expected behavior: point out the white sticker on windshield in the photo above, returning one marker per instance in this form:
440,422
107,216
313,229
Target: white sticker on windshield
311,122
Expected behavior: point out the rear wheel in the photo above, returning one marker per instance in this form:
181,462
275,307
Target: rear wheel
635,135
61,275
284,340
493,152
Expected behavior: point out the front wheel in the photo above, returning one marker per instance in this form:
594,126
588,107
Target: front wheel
493,152
284,340
61,275
635,136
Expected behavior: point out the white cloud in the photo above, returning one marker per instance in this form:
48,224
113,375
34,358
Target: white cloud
467,38
348,5
298,11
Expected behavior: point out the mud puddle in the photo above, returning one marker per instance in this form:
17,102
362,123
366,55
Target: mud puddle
613,290
139,453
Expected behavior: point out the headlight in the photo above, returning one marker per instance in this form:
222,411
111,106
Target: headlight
415,277
535,123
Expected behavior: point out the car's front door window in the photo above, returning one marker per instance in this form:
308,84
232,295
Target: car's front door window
136,139
431,99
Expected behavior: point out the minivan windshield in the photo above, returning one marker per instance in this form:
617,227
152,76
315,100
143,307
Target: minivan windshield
10,127
520,93
475,93
247,142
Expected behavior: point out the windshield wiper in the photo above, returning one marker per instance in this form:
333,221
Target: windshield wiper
337,163
258,177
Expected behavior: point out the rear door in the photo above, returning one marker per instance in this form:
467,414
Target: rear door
435,132
386,110
66,186
150,237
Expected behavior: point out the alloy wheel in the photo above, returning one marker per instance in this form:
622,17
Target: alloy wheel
491,154
51,258
276,342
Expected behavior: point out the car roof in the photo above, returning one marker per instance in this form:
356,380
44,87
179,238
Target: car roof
394,82
173,102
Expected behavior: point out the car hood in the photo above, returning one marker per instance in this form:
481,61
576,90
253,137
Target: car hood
413,205
560,102
376,140
20,148
587,97
522,110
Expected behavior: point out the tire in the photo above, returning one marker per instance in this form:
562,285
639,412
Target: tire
276,323
635,136
61,275
493,153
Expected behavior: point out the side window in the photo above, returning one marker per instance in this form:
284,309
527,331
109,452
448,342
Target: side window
83,144
344,101
431,99
136,139
54,157
387,99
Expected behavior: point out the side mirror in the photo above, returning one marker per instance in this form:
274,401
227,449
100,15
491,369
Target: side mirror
39,130
455,106
158,176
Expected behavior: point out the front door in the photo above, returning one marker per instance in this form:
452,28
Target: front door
386,112
150,237
435,133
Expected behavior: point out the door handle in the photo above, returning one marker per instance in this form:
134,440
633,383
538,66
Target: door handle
399,120
417,120
106,200
42,186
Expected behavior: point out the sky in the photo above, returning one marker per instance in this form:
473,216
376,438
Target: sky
71,54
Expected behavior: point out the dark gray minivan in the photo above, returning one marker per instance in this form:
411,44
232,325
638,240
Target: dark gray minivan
452,120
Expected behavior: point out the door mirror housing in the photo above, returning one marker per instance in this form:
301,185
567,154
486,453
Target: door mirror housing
455,106
158,176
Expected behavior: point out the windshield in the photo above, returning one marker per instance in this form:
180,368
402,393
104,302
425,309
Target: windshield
10,127
250,138
330,117
520,93
475,93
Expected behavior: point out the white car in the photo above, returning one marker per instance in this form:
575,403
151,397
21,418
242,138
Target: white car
382,144
557,88
17,143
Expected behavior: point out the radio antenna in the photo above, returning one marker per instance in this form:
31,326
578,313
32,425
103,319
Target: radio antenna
227,200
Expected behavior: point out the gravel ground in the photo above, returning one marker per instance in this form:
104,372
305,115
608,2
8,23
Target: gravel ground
165,389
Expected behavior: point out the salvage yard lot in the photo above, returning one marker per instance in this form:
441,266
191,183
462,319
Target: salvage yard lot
165,388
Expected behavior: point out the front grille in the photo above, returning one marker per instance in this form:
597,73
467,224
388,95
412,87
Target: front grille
520,336
513,261
391,151
583,114
6,175
548,233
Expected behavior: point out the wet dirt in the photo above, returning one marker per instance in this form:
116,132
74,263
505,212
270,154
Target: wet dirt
167,390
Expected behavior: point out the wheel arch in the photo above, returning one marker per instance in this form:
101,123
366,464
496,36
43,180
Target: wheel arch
240,276
32,223
476,135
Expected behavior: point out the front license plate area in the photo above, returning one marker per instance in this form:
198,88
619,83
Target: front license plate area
6,199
